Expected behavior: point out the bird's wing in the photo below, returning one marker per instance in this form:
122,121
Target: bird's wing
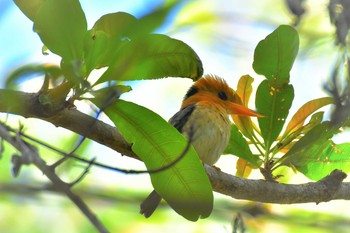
181,117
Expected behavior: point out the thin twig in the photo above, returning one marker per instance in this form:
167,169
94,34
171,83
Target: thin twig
90,162
31,154
85,172
238,224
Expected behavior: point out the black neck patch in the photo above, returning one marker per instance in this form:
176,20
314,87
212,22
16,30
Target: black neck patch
193,90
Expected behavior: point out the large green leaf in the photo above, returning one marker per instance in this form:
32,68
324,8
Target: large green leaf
274,104
238,146
153,56
108,34
61,26
320,160
315,155
185,186
113,30
274,56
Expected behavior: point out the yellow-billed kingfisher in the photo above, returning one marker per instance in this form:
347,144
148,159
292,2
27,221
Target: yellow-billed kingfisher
204,116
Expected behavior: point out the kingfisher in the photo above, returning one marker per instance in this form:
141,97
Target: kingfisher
204,119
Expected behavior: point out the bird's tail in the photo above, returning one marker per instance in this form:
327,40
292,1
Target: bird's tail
149,205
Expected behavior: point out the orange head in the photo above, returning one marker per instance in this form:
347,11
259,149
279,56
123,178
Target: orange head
213,91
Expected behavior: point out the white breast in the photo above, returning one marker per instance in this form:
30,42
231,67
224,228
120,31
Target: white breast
211,133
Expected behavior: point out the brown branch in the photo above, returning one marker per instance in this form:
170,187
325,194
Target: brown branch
28,105
329,188
30,156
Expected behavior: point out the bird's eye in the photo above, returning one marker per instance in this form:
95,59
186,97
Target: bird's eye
222,95
192,91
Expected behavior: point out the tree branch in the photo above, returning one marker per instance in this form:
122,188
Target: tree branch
30,156
329,188
28,105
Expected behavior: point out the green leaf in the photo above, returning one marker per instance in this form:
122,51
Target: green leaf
315,120
185,186
238,146
274,103
317,165
109,95
154,56
27,71
116,25
274,56
318,135
289,140
29,8
103,41
305,111
61,26
120,28
316,156
96,49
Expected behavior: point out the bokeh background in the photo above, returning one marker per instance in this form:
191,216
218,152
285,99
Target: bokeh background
224,33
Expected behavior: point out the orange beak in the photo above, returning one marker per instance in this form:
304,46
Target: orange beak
238,109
